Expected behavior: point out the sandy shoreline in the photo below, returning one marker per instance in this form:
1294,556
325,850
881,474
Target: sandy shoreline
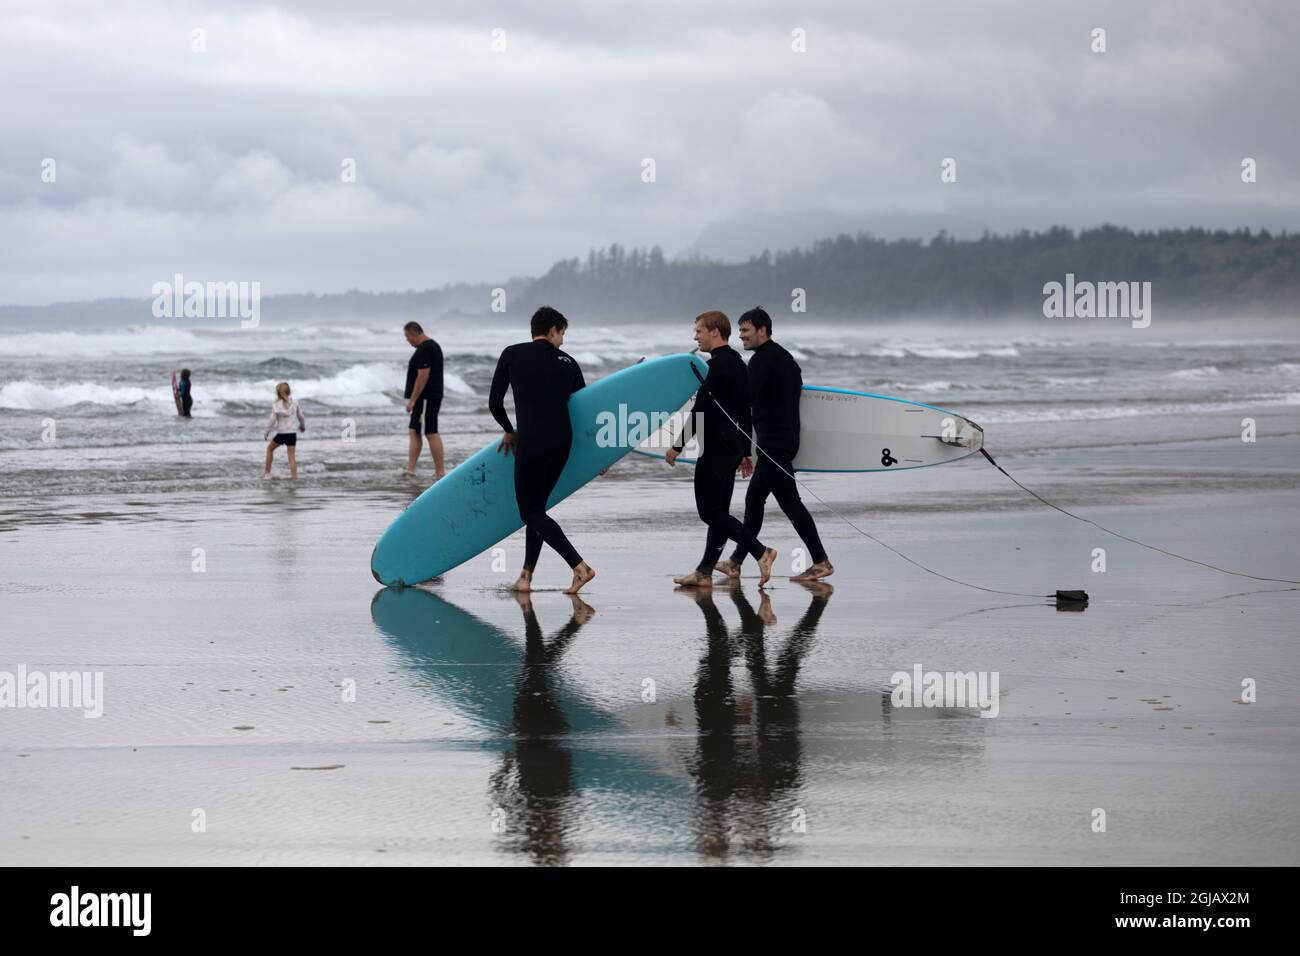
1130,706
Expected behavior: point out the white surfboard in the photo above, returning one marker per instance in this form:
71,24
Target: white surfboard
842,430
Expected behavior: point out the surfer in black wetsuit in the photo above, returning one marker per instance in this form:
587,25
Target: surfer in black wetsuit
722,451
542,378
186,396
775,382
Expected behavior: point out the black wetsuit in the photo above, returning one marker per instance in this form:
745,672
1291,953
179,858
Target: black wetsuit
775,382
542,378
722,447
187,400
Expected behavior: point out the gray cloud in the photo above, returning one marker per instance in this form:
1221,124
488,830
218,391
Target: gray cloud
477,165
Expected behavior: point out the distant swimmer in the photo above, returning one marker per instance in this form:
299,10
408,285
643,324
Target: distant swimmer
722,451
542,378
424,397
184,393
285,422
775,382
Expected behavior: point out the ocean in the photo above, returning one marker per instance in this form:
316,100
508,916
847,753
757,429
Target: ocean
87,412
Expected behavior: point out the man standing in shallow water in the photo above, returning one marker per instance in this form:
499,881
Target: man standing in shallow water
424,397
775,384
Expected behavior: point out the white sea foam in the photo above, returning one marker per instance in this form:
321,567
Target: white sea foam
1205,371
140,340
369,385
929,350
1069,382
902,388
1151,410
1006,351
35,395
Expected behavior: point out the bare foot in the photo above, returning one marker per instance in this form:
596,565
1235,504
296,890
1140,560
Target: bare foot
696,579
701,596
582,611
822,589
822,569
524,583
266,476
581,575
730,568
765,566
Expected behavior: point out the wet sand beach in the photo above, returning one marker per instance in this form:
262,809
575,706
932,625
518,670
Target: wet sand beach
313,717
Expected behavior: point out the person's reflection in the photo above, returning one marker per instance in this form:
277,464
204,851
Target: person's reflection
523,704
715,764
742,789
776,705
535,784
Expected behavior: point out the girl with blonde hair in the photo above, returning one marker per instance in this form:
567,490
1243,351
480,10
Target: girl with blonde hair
285,422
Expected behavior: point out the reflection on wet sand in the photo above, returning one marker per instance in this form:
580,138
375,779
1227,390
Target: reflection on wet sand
551,735
747,758
728,769
771,760
535,784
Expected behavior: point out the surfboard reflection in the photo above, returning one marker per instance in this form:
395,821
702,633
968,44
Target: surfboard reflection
551,735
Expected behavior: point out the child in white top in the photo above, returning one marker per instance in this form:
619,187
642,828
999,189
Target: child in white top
284,411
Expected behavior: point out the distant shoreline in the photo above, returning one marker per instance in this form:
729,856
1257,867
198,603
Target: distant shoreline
1196,274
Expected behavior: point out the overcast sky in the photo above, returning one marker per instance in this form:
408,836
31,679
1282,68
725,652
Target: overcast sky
478,165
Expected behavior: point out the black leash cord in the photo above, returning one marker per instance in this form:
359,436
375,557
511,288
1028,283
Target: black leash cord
1124,537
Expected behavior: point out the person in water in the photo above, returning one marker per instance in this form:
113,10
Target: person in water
183,390
285,422
542,378
775,383
722,403
424,397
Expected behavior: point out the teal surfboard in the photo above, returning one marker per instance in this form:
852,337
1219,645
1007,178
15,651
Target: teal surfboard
474,506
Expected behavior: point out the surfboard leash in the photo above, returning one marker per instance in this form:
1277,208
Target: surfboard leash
1061,596
1124,537
1067,597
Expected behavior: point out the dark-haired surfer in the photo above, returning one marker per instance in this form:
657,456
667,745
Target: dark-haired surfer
775,382
542,378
